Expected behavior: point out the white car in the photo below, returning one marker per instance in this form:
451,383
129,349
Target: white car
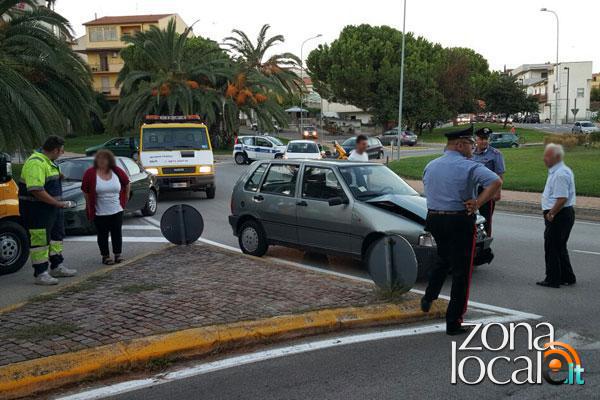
584,127
302,149
250,148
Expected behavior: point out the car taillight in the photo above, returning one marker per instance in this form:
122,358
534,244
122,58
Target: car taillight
236,140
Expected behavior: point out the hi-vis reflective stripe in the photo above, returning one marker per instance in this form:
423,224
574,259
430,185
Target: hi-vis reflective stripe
39,255
38,237
9,202
56,247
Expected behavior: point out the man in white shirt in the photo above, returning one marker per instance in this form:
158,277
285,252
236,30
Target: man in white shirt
558,200
360,150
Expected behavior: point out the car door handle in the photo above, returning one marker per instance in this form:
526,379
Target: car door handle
302,203
258,198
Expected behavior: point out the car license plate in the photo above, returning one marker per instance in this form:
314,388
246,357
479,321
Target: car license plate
179,185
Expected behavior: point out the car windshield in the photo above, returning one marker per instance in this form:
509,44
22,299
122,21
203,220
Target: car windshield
587,124
175,138
309,128
369,181
301,147
73,169
276,141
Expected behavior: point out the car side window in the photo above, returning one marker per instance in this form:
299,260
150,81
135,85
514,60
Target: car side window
281,180
248,141
131,166
320,184
252,183
263,142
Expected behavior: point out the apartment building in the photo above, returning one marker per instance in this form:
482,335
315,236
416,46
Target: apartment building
101,45
572,85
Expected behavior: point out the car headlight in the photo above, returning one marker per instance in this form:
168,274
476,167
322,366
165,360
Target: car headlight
205,169
426,240
152,171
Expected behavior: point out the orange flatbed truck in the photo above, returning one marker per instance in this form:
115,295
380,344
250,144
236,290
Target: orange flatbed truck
14,241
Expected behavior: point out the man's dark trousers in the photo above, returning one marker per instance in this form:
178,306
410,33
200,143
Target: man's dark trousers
556,236
487,212
455,238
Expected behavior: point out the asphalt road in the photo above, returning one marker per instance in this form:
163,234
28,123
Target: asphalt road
414,366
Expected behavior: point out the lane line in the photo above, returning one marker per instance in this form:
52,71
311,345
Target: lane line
586,252
265,355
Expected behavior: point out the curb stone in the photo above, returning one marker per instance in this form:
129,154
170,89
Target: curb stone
43,374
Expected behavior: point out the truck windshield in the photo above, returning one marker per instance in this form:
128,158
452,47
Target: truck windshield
175,138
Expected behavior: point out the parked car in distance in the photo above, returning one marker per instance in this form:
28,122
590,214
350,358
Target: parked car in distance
532,118
303,149
309,132
375,149
120,146
333,207
144,191
250,148
584,127
504,140
407,138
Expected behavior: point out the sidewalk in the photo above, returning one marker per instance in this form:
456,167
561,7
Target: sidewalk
188,300
587,207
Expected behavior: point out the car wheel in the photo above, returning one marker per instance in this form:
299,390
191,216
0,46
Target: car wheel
151,204
240,158
515,145
380,155
210,192
253,239
14,247
278,156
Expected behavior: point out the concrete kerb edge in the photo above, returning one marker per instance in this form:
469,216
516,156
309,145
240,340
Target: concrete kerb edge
43,374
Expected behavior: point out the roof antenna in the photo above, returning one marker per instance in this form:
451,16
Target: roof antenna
95,16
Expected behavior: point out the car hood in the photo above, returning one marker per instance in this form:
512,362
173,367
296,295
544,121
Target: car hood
71,190
409,206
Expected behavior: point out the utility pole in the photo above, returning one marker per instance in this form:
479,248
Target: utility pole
557,70
567,109
302,78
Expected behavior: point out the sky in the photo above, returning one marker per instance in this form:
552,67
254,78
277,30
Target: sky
506,32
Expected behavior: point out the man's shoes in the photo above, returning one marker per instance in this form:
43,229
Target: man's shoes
570,283
459,330
62,272
44,279
425,304
548,284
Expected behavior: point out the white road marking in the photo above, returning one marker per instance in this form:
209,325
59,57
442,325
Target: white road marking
586,252
236,361
140,228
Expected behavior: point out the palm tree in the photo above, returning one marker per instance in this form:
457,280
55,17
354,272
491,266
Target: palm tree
166,81
277,67
44,86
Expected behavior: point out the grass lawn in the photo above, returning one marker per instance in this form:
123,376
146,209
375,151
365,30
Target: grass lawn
530,135
80,143
525,170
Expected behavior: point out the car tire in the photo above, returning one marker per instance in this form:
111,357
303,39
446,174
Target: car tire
278,156
240,158
253,239
515,145
151,204
14,247
210,192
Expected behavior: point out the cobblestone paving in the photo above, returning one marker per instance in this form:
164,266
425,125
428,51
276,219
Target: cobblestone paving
178,288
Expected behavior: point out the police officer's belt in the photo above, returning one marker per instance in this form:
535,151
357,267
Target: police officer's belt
439,212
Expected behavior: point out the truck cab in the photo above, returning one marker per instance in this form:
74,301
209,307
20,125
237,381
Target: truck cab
14,241
177,150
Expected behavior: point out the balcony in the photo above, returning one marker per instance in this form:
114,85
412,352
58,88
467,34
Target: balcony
103,68
541,98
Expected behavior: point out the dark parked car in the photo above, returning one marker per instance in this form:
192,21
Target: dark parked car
121,146
532,119
375,149
144,191
504,140
408,138
333,207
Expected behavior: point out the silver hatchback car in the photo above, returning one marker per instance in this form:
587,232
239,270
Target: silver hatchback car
333,207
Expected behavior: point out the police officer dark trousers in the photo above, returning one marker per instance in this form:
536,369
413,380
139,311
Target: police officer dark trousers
451,183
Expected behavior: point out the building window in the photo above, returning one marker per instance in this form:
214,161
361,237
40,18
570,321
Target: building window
580,92
544,75
103,34
105,85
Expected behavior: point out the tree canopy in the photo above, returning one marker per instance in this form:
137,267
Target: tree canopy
504,95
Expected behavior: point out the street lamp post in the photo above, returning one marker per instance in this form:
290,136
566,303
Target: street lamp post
567,110
557,76
398,142
302,77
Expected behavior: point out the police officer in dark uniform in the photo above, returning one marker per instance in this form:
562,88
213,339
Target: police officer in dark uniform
494,161
451,183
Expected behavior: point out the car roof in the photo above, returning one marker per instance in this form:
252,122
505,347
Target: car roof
84,158
327,162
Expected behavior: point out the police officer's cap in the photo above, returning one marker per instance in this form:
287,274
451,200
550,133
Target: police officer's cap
483,132
461,134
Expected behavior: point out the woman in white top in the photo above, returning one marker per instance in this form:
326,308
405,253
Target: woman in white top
106,188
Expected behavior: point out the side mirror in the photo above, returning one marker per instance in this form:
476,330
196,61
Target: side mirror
337,201
5,168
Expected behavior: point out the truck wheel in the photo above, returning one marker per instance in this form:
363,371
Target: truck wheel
151,204
210,192
14,247
240,158
253,239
